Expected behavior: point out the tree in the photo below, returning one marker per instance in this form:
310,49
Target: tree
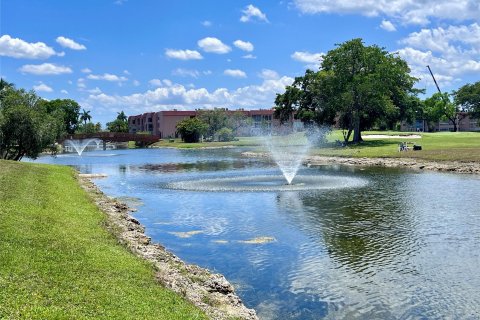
70,109
438,107
191,129
357,85
215,119
85,116
225,134
468,98
89,128
26,126
120,124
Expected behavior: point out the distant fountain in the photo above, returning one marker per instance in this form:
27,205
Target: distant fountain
81,144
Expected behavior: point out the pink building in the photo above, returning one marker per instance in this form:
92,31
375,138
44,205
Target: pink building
163,123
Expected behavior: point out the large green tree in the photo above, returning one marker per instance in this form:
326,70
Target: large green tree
192,129
468,98
26,126
70,110
359,86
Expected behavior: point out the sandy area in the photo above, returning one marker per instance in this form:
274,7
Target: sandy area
384,136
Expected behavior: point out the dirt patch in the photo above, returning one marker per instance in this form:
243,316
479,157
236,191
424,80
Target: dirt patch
211,292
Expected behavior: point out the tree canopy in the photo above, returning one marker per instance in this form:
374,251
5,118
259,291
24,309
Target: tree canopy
70,110
357,86
27,126
468,98
191,129
120,124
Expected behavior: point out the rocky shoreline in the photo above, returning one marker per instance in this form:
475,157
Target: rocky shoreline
446,166
211,292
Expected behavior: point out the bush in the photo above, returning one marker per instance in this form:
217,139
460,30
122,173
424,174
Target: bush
225,134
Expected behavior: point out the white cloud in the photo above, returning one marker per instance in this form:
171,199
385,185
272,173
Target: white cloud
107,77
45,69
186,73
243,45
69,43
183,54
160,83
269,74
18,48
236,73
167,97
451,52
86,70
406,11
388,26
42,87
307,57
81,83
206,23
136,83
95,91
64,91
249,56
213,45
251,12
126,72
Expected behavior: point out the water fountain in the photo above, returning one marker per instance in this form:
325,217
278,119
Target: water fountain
79,145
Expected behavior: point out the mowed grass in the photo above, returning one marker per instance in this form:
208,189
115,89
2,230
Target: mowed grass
57,261
439,146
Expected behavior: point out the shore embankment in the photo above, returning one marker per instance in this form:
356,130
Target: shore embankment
61,257
211,292
416,164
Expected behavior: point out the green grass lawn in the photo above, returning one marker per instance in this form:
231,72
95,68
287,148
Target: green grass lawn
439,146
57,261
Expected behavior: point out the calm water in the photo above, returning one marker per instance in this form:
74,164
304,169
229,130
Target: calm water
379,244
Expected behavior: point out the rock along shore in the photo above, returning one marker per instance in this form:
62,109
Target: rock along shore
211,292
447,166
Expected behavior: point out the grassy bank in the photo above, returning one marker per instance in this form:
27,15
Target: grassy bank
439,146
57,261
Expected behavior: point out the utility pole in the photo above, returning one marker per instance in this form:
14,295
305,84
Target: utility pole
436,84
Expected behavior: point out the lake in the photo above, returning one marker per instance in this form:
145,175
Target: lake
368,243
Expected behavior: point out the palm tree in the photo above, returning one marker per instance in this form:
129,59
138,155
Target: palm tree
122,117
85,115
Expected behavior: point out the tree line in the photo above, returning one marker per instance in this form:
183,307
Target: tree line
30,125
360,87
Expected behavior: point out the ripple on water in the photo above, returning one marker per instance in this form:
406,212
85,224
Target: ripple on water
268,183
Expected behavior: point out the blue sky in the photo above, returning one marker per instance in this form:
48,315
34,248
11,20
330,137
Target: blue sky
146,55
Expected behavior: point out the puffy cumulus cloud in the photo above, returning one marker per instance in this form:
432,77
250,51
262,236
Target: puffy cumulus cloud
70,44
183,54
206,23
86,70
18,48
388,26
107,77
243,45
45,69
64,91
42,87
235,73
406,11
253,13
175,95
213,45
307,57
268,74
451,52
249,56
160,83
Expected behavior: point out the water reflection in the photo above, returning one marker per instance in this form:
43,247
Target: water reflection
404,246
